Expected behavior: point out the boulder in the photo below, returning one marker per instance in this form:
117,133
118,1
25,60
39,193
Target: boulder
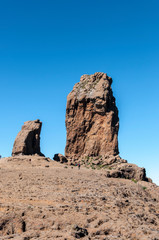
58,157
79,232
27,141
92,121
127,171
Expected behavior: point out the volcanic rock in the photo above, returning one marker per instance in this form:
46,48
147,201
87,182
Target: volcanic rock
92,121
60,158
27,141
92,125
127,171
79,232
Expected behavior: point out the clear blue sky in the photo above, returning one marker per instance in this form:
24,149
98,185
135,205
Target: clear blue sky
45,46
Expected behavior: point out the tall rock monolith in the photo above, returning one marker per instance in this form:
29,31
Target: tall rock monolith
27,141
92,121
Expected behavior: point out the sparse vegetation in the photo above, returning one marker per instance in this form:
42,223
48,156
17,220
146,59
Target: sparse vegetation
134,180
87,158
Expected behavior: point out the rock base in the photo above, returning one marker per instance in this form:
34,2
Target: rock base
114,166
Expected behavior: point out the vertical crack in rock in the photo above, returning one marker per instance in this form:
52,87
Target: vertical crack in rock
27,141
92,121
23,226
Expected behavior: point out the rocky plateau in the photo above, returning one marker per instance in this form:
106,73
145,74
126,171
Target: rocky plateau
44,199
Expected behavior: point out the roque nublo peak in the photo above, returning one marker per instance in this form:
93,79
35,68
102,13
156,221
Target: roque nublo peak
92,121
92,125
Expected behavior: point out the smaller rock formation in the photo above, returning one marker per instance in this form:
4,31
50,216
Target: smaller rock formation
79,232
127,171
58,157
27,141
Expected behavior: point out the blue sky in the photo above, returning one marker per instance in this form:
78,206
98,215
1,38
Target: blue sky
45,47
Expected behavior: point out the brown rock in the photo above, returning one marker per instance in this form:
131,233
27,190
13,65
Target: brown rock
79,232
92,121
60,158
127,171
92,125
27,141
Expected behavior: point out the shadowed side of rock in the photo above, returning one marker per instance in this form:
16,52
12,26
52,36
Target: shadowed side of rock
27,141
60,158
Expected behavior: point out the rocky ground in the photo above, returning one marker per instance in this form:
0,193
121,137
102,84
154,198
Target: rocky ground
42,199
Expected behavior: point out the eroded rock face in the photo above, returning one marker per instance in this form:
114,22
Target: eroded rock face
27,141
127,171
92,121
